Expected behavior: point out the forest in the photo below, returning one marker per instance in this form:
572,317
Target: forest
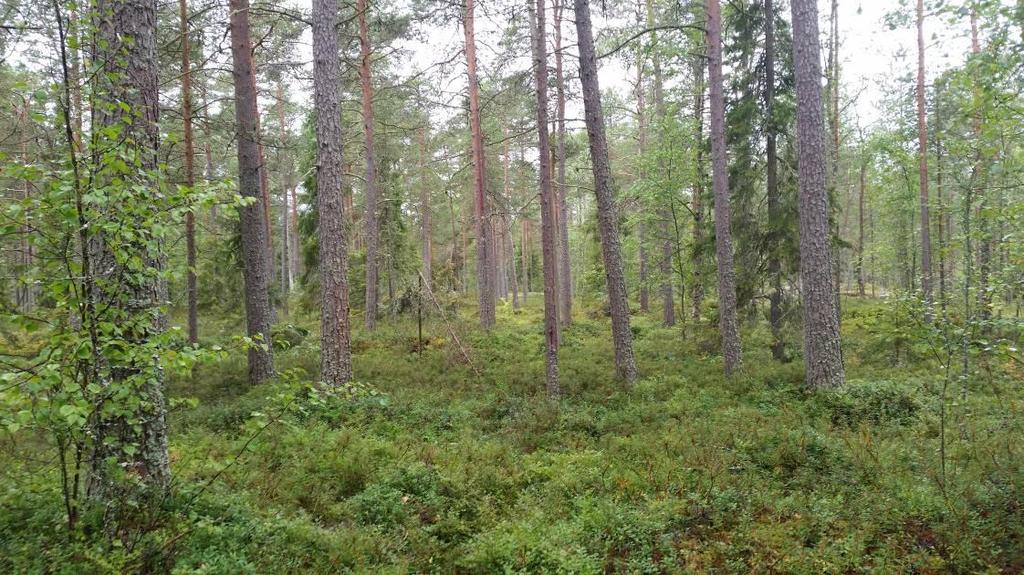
511,286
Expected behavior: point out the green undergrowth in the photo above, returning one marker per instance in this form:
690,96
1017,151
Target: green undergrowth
435,463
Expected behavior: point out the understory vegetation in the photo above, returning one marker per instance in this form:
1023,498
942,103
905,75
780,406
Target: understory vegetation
429,463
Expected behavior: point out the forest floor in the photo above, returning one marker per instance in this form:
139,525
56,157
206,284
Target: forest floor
424,466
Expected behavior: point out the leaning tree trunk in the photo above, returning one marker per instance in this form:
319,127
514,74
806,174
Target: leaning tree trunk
727,321
370,221
126,100
255,239
922,169
607,212
336,352
190,177
484,263
822,347
547,206
564,267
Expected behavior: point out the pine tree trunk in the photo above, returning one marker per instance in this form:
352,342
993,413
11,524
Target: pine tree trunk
127,54
607,212
564,263
525,249
426,235
549,235
697,290
860,229
336,352
255,239
287,183
371,229
822,346
727,321
922,169
641,226
484,263
190,179
774,213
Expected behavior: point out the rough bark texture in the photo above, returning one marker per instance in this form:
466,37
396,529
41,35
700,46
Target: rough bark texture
564,263
255,240
922,168
127,51
336,352
287,177
547,207
426,235
371,229
668,309
484,263
860,229
607,211
191,288
771,168
727,322
641,226
822,346
697,289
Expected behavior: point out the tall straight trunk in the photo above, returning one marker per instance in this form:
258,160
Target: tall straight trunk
774,213
727,322
286,228
860,228
207,142
426,235
484,263
264,180
697,290
922,169
336,351
822,347
641,113
564,263
549,235
939,221
255,236
370,221
668,313
190,178
126,98
833,107
514,288
525,249
607,212
979,177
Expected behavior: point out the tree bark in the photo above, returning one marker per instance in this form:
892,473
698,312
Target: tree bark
727,322
860,228
822,346
336,352
255,239
127,54
641,109
288,174
190,178
697,290
426,235
549,235
371,228
922,169
564,263
771,168
607,211
484,263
